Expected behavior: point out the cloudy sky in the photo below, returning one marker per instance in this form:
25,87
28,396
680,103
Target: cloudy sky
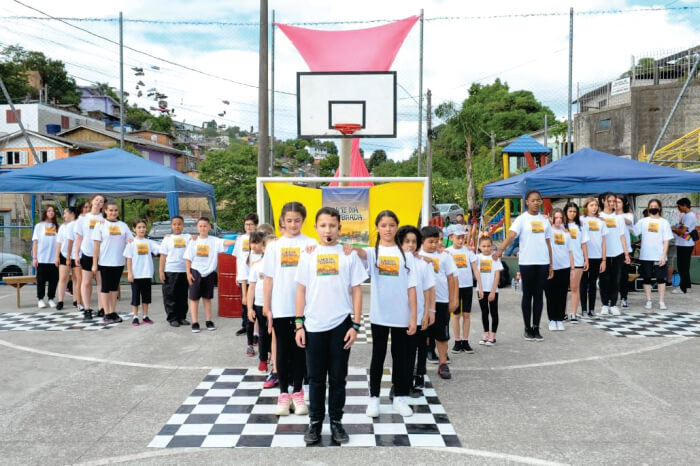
464,42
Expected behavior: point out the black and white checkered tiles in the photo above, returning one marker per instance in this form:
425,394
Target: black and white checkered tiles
656,324
52,321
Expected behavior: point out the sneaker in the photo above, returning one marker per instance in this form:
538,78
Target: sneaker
116,318
415,392
52,303
262,366
134,322
457,348
432,357
272,381
372,407
662,306
552,326
283,401
184,322
147,320
466,348
647,305
210,325
59,305
566,317
299,404
604,311
614,310
528,335
174,323
490,342
241,331
560,325
313,433
444,371
400,405
41,304
573,319
591,314
623,303
87,315
250,351
419,382
195,327
536,334
483,340
101,313
81,308
338,434
677,291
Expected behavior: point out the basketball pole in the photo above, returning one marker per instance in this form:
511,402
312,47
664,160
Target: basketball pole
345,158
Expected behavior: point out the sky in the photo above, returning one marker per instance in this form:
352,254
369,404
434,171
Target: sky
464,42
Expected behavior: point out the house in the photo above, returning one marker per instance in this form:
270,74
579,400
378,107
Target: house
317,153
43,118
98,105
15,152
160,153
154,136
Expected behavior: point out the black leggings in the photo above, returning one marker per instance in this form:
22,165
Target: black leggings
489,308
291,360
264,337
610,279
556,291
46,273
588,287
624,286
402,364
534,279
418,351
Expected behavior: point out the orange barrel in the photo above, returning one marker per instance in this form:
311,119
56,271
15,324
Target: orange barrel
230,304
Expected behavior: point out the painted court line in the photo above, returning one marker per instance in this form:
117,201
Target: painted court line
500,456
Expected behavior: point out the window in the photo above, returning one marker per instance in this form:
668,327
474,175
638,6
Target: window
166,160
15,158
604,125
154,137
65,122
10,117
44,156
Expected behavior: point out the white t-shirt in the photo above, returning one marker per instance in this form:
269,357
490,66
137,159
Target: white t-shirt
616,229
629,228
241,249
533,230
463,259
64,232
174,247
45,236
256,276
654,232
70,234
487,269
578,236
328,274
86,225
112,237
425,280
561,246
203,253
596,229
140,252
280,263
688,220
391,277
443,265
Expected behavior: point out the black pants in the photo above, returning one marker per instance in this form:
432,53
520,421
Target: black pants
264,337
489,308
418,352
624,285
175,296
556,291
46,273
402,365
588,287
140,291
610,280
465,300
248,325
534,278
683,254
291,362
326,357
648,270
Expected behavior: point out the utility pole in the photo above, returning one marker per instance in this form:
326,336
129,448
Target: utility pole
545,133
18,119
263,109
493,148
420,94
121,82
429,147
272,97
569,144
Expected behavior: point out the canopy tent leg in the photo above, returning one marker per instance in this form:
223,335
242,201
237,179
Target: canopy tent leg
173,204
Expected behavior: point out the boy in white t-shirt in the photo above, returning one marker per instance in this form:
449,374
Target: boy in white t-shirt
171,269
139,265
467,272
328,275
201,261
490,274
241,250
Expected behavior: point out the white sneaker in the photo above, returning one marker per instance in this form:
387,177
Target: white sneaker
52,303
604,311
677,291
560,325
647,305
373,406
401,406
614,310
41,304
552,326
662,306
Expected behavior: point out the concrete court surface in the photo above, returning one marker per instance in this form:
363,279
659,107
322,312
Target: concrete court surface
583,396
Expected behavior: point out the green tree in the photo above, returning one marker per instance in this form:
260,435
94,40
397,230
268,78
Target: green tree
233,132
377,157
211,129
329,165
15,79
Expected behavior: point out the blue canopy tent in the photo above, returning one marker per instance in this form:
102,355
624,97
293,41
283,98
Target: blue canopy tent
113,172
589,171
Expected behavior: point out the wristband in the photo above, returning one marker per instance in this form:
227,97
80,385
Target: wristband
356,326
296,329
299,320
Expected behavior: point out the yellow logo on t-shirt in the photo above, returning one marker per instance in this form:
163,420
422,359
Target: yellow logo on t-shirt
179,242
142,249
611,222
93,222
537,226
460,261
327,264
246,245
50,230
485,266
202,250
289,257
653,227
593,225
573,232
115,230
436,263
559,238
388,266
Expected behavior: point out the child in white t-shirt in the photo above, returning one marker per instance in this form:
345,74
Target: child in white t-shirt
139,264
43,256
328,275
490,274
64,260
173,276
563,264
656,234
467,274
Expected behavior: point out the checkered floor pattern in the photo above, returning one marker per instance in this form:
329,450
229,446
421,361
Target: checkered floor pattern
229,408
365,335
52,321
657,324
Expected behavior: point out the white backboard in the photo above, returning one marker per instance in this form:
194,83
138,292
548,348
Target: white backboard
367,98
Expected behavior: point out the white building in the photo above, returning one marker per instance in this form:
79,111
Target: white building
36,117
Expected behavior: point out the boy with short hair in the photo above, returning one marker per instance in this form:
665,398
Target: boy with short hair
241,249
172,273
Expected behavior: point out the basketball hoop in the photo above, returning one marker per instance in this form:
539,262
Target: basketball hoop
347,128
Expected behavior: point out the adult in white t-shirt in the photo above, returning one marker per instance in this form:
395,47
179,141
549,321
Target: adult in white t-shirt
685,244
535,260
84,245
44,256
653,254
617,254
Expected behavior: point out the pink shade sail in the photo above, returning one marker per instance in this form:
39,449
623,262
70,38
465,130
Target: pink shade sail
357,166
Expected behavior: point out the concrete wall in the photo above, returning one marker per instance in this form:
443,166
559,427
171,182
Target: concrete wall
615,140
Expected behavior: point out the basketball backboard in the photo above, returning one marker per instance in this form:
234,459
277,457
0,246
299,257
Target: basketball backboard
325,99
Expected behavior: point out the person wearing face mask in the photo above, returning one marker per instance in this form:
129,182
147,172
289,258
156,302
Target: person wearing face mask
656,234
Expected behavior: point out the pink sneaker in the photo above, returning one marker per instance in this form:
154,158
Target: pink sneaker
283,404
298,403
272,381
